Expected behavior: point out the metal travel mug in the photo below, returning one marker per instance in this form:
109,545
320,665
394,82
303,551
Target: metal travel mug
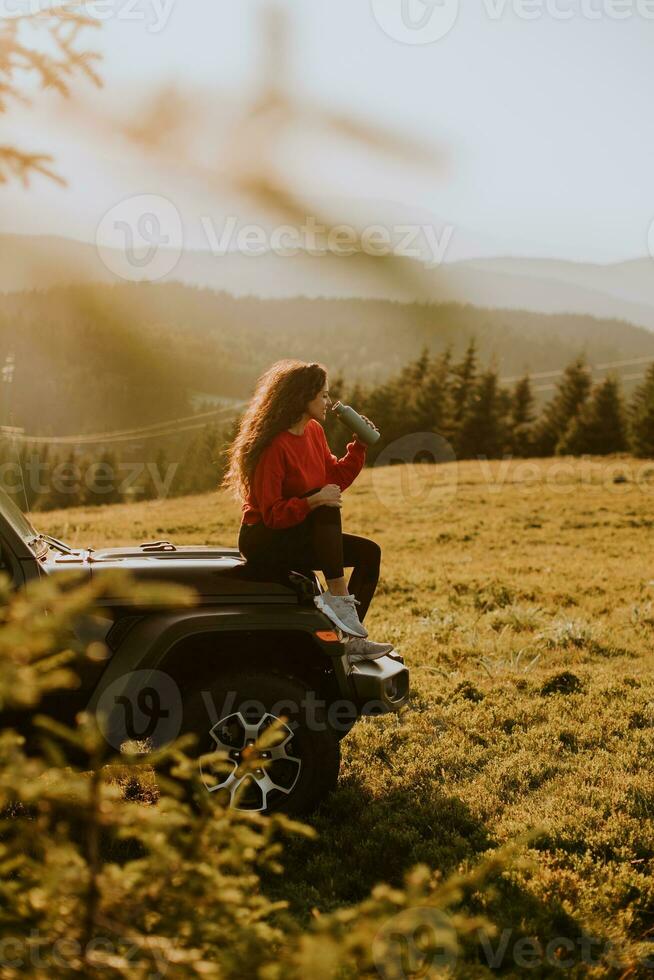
356,424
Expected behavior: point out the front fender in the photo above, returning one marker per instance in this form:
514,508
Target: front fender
148,643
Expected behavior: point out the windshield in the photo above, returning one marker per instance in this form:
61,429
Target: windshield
12,513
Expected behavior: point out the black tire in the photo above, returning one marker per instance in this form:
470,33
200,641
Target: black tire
223,702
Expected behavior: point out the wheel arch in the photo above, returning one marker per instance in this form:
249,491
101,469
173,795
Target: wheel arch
191,646
197,657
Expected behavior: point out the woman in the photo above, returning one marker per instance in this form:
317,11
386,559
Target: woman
289,483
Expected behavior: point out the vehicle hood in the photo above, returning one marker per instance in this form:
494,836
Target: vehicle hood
216,573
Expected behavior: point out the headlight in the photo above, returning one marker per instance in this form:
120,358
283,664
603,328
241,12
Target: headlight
390,687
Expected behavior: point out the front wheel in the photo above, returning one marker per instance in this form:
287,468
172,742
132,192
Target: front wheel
229,714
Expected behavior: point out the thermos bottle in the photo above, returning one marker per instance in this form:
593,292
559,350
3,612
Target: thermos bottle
355,423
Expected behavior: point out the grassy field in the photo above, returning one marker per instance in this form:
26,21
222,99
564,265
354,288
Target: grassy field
520,596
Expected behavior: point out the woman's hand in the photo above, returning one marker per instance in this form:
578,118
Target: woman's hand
366,419
372,424
329,495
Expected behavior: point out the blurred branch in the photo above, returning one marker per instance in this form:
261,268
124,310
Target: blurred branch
248,152
15,163
383,140
174,128
60,26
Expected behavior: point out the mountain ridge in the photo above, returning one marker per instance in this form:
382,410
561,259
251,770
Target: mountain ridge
620,291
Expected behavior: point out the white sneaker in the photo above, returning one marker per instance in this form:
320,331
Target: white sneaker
360,649
341,610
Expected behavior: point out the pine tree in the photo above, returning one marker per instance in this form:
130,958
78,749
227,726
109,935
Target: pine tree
521,418
202,465
386,405
65,486
600,426
522,404
641,417
483,427
102,482
156,482
28,465
464,375
431,405
415,372
571,395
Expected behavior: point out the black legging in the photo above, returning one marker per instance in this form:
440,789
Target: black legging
317,542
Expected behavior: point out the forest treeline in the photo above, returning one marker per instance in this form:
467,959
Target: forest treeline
92,359
458,398
467,405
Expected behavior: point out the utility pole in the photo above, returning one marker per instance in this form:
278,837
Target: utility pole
7,430
275,55
7,381
7,374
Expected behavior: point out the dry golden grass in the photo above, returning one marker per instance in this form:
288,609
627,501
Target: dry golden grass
520,596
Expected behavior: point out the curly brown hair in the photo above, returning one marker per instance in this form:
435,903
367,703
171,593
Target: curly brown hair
280,399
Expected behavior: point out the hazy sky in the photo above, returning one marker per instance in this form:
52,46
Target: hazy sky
546,121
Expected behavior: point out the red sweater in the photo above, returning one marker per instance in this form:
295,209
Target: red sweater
289,466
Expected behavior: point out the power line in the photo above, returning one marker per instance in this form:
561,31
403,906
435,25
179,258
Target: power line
633,360
147,435
168,422
625,377
539,374
167,428
593,367
197,421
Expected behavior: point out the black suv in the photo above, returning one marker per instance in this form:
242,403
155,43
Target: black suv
248,652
